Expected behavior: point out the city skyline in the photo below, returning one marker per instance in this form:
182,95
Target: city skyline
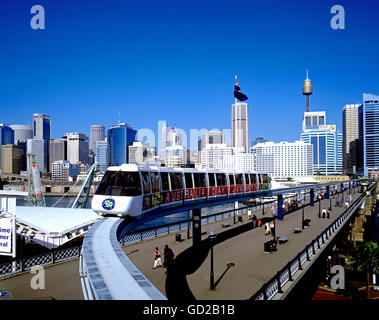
174,75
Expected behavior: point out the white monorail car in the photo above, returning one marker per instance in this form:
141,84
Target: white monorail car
138,191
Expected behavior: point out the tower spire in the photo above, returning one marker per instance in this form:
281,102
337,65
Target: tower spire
307,91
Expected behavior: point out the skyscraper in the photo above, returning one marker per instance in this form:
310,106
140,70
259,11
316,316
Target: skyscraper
352,160
41,126
240,126
57,151
102,155
140,153
77,147
327,149
120,137
13,159
97,134
214,136
42,130
370,133
37,147
22,132
6,136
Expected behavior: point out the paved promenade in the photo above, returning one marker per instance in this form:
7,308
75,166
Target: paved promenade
62,282
252,266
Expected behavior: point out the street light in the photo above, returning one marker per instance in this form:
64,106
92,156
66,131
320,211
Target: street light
212,235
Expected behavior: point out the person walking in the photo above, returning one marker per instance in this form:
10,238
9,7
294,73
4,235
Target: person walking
168,255
267,229
254,218
259,223
323,212
157,258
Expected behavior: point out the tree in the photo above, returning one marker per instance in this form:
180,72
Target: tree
365,258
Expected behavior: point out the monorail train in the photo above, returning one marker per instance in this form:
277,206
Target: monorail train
138,191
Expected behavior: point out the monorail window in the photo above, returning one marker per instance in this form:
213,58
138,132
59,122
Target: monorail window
211,177
199,179
145,182
247,181
154,177
221,179
231,179
176,181
239,179
188,177
253,178
118,183
165,183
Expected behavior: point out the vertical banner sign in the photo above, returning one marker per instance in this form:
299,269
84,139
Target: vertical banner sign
6,235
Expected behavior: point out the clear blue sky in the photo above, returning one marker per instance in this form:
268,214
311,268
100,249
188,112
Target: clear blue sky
176,61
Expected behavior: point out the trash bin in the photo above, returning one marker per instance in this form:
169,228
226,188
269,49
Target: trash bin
178,237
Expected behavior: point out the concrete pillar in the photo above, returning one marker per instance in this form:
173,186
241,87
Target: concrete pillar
312,197
327,192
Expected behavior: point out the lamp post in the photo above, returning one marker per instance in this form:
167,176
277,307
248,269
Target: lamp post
302,216
212,235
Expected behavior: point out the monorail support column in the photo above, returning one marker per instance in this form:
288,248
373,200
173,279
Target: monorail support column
312,198
342,192
196,227
327,192
280,207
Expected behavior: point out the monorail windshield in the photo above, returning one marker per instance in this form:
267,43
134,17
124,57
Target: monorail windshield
117,183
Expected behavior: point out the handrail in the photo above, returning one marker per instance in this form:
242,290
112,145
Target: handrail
329,231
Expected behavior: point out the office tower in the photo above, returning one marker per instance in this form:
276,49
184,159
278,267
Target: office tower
77,147
212,137
57,151
370,133
62,170
351,142
240,126
171,136
6,136
37,147
175,156
102,155
240,162
22,133
13,159
307,91
97,134
42,130
212,152
120,137
284,159
140,153
327,149
41,126
313,120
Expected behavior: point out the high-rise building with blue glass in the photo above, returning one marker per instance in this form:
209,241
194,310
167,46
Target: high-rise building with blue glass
102,155
120,137
326,141
6,136
370,133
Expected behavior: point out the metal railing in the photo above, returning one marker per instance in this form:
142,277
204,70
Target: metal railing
275,285
175,227
16,266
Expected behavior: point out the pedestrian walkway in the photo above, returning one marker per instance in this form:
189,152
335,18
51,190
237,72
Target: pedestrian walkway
252,266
